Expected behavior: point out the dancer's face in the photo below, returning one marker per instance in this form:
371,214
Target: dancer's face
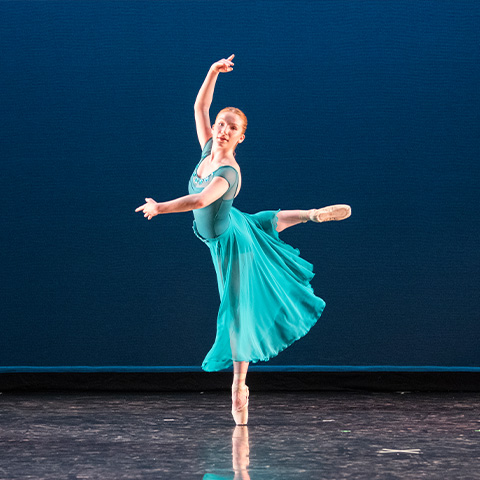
228,130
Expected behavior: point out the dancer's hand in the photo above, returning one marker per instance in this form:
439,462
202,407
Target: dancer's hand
224,65
149,209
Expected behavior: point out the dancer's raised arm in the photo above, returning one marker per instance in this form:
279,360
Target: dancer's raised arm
205,96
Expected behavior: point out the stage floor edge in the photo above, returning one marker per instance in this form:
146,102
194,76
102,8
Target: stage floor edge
266,381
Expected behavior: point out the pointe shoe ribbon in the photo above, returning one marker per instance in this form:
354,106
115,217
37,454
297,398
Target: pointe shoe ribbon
240,414
331,213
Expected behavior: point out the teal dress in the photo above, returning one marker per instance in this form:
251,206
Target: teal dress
266,300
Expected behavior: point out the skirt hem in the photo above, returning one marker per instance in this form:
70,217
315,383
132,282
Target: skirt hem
229,362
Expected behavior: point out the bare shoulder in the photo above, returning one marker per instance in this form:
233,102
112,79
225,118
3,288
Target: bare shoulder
228,162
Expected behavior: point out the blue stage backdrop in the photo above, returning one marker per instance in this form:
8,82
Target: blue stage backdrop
370,103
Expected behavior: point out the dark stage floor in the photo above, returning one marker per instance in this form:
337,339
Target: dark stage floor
192,436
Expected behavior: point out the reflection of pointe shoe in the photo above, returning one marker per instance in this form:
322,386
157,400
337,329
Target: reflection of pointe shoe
240,451
327,214
240,432
240,414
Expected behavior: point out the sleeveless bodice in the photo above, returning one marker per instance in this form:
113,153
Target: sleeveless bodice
212,220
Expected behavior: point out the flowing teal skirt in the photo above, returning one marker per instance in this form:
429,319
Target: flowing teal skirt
266,300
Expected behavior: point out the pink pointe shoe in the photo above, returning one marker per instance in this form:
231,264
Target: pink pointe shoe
327,214
240,414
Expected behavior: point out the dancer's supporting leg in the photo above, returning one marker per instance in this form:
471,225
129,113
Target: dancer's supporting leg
240,393
289,218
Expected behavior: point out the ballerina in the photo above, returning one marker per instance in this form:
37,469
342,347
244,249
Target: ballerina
267,301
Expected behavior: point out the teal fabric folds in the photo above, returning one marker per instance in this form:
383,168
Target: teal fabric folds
266,300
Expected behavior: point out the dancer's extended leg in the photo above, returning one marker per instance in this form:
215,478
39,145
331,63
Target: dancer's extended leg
289,218
240,393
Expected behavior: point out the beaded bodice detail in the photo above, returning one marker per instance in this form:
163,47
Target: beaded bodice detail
198,181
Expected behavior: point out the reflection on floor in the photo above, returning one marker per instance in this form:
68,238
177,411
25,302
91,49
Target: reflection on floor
192,436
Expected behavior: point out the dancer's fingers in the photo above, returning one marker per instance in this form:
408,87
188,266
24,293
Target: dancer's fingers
230,58
140,208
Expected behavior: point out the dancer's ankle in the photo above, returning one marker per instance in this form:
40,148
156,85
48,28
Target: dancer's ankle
305,216
239,380
238,385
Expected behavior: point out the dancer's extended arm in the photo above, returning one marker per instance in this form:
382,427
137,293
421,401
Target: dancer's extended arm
214,191
205,97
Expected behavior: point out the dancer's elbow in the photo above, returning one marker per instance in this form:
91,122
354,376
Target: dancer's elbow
200,202
201,107
197,201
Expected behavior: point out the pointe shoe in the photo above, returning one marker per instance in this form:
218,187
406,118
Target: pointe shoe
240,415
327,214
